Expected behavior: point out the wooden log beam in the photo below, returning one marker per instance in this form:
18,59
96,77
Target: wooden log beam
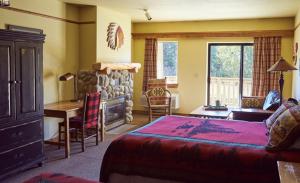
256,33
46,16
108,67
105,71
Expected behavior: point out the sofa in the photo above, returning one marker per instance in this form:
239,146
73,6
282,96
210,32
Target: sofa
257,108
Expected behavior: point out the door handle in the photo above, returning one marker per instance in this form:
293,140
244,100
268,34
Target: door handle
15,82
12,82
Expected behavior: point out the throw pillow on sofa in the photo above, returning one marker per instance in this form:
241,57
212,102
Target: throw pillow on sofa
285,130
272,101
285,106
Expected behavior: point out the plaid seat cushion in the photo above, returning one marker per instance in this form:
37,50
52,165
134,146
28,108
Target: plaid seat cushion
57,178
77,122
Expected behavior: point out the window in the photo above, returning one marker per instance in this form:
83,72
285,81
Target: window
230,72
167,59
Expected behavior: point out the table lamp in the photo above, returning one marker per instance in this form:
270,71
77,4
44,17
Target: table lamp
68,76
281,66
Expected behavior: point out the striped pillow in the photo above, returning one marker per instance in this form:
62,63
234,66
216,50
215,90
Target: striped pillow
285,130
285,106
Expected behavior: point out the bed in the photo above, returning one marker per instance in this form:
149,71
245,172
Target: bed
189,149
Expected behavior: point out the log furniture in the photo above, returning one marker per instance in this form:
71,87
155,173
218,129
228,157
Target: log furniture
21,101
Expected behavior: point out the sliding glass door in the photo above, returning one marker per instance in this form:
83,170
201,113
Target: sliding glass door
229,72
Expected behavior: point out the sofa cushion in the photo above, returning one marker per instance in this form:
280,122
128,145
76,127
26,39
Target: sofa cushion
272,101
285,130
286,105
252,102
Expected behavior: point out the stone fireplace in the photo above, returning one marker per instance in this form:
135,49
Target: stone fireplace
115,81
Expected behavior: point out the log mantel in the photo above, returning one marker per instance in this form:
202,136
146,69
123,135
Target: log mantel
106,68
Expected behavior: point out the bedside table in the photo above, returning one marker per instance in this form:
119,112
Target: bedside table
289,172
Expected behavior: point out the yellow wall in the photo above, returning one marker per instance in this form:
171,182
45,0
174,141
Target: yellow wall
87,36
192,54
60,48
104,53
296,74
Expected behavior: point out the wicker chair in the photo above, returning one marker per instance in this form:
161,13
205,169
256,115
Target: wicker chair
159,102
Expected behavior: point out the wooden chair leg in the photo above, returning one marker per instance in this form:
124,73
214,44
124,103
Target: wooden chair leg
97,134
76,135
150,115
59,135
82,140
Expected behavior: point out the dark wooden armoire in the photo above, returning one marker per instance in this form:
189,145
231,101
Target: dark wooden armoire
21,101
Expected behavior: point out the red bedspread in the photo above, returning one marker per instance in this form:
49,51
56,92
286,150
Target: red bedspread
196,150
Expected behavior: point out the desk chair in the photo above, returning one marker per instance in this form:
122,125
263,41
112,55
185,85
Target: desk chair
88,121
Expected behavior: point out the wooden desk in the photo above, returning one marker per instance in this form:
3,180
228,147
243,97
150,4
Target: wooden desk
288,172
201,112
67,110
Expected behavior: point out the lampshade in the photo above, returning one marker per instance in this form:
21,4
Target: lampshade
66,77
281,65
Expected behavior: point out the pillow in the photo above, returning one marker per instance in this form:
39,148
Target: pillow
293,100
285,130
270,121
252,102
272,101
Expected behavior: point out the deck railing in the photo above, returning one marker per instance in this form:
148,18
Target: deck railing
227,90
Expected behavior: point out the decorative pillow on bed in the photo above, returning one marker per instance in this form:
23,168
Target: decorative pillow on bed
285,130
270,121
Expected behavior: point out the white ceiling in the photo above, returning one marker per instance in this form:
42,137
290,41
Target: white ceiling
188,10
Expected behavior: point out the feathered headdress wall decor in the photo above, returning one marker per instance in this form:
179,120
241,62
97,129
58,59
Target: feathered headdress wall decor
115,36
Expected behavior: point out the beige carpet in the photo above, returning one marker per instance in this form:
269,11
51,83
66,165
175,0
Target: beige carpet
122,129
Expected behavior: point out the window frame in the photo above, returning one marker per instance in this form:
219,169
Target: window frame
170,84
242,45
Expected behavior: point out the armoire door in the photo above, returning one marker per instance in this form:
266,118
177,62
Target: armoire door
7,80
28,76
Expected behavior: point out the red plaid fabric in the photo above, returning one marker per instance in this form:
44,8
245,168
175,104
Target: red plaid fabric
90,112
150,70
267,51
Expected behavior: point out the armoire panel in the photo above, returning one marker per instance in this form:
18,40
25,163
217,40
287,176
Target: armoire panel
7,110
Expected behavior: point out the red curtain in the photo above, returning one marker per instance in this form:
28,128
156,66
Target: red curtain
150,70
267,50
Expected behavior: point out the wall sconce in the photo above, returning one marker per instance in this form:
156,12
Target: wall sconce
68,76
4,3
